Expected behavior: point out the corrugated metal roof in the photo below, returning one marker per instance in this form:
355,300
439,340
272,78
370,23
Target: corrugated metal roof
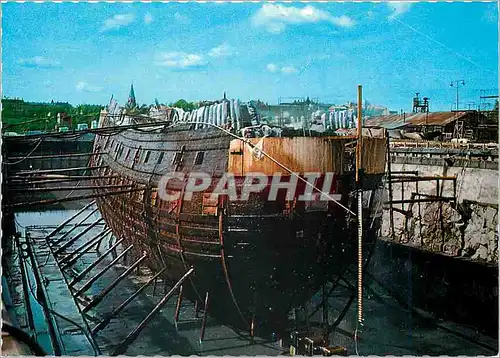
395,121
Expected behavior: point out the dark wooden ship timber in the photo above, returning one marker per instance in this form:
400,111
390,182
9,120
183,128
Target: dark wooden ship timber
258,258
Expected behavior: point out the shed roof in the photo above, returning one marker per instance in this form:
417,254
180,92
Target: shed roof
395,121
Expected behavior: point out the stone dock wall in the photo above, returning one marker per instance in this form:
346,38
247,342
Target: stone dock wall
468,229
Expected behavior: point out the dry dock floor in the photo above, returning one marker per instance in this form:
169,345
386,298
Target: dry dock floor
388,328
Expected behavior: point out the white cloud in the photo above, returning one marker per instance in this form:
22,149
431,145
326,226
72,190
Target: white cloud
180,60
39,61
271,67
117,21
223,50
275,17
148,18
287,70
183,19
398,8
86,87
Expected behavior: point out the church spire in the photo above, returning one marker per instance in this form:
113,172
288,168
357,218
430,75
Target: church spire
131,97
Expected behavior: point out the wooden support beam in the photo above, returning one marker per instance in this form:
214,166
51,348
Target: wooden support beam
100,296
73,228
74,239
60,227
132,336
94,264
94,278
104,322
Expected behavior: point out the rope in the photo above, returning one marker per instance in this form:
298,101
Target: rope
27,156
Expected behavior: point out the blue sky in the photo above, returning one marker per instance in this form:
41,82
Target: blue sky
84,53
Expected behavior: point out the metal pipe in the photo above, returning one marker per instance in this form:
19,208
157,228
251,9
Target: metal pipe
59,228
204,321
104,322
73,228
94,278
133,335
83,249
97,299
94,264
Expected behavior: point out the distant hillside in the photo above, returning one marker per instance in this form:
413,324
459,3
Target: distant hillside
20,116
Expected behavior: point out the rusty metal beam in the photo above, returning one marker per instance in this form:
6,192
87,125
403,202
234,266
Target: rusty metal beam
94,278
429,200
100,296
412,172
132,336
94,264
117,310
405,179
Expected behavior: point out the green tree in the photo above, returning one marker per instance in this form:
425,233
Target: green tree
185,105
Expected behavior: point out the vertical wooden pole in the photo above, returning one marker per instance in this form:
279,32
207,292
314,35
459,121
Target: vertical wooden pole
389,184
360,205
359,134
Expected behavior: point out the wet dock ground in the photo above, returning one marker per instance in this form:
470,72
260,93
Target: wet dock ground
389,328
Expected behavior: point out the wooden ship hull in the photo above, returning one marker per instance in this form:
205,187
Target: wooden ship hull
257,258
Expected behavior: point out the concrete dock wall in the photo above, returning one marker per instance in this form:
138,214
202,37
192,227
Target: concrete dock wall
467,230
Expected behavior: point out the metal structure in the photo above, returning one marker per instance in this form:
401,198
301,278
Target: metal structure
420,105
457,84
